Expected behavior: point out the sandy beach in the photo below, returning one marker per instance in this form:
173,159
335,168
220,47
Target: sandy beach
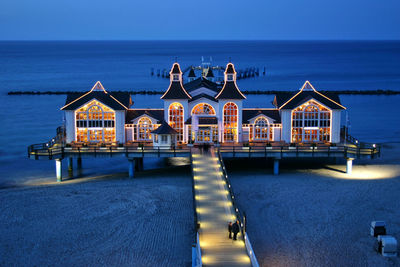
316,215
312,214
100,221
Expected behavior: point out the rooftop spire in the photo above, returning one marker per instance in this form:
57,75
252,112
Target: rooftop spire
176,89
230,89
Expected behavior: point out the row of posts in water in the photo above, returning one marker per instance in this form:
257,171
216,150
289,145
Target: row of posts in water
241,74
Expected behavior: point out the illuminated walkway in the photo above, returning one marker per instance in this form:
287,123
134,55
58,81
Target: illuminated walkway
214,211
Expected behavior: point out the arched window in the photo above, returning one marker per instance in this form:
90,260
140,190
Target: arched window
144,128
311,123
203,108
95,123
230,122
262,130
175,117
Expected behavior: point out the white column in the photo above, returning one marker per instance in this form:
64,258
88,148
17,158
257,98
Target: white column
131,168
276,166
59,170
349,166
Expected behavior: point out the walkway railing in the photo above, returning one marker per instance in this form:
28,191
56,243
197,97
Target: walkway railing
196,251
240,214
52,150
357,151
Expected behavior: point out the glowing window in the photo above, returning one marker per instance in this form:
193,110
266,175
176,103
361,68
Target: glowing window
95,122
311,123
230,122
175,117
144,129
203,108
262,130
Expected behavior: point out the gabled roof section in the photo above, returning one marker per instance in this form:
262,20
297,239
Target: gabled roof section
306,93
196,97
191,73
250,113
164,129
157,114
114,100
176,69
176,89
210,73
230,89
230,68
202,82
307,86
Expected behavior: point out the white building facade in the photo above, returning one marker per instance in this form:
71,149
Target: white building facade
202,111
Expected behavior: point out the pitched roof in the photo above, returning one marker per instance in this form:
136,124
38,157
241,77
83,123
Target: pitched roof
191,73
210,73
164,129
203,95
230,89
132,114
176,89
176,69
306,93
202,82
249,113
230,68
114,100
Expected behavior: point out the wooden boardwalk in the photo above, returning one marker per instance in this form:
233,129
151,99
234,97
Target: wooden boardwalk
214,211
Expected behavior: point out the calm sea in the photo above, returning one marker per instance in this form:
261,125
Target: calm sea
43,66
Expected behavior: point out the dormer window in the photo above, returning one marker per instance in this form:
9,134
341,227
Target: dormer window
175,78
229,77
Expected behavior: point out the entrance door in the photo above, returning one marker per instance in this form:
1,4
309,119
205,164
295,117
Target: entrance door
204,135
95,135
310,135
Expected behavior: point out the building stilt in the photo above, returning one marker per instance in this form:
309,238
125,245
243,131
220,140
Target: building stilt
70,167
79,166
276,166
79,163
131,168
349,166
59,170
139,164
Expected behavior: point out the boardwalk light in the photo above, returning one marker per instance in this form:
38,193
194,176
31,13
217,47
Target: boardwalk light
374,145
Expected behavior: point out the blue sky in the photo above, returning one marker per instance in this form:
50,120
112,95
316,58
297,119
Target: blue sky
187,19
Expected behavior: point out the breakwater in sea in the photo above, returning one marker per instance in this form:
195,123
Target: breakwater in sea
246,92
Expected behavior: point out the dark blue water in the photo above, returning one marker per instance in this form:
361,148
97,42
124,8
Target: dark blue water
126,65
43,66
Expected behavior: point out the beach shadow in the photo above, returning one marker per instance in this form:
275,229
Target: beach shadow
334,169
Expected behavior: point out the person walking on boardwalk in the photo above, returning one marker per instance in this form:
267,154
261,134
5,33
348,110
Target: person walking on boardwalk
235,229
230,229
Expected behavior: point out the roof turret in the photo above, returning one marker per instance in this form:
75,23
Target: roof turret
176,89
230,89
